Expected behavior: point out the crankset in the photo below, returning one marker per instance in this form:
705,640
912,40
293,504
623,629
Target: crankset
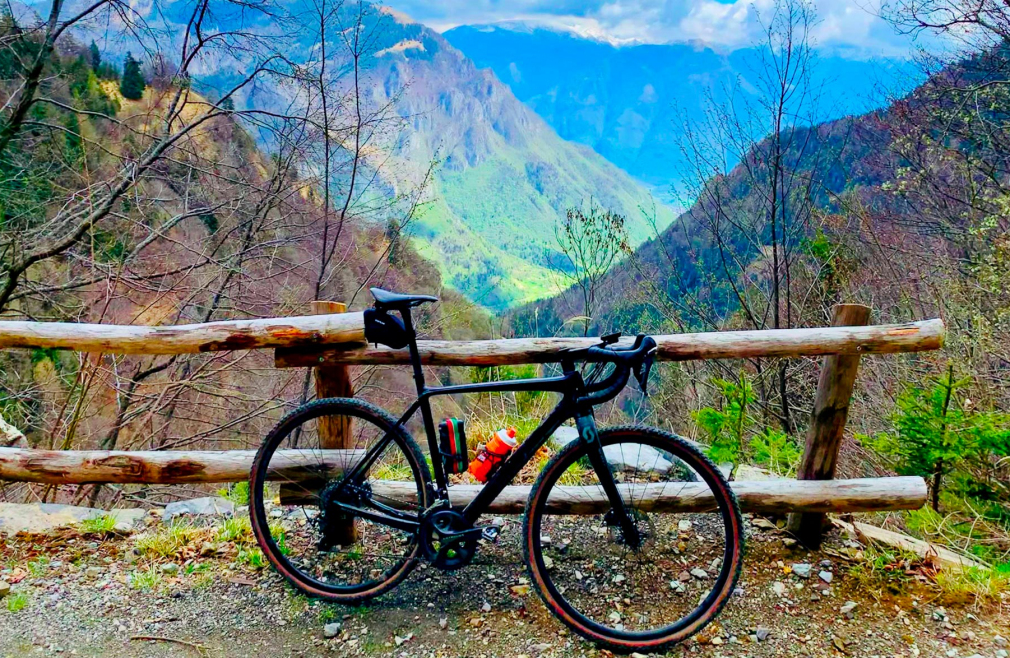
449,541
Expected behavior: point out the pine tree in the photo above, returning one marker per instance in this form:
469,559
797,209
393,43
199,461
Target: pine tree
132,85
96,57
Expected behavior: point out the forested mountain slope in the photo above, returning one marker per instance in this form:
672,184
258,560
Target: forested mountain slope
205,227
864,187
497,177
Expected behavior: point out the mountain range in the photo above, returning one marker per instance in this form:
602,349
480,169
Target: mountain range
631,103
523,122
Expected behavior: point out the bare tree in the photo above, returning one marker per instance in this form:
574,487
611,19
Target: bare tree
591,241
754,166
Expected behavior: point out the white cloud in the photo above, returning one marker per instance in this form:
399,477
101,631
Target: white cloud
852,26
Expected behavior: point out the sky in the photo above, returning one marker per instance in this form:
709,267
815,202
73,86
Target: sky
854,27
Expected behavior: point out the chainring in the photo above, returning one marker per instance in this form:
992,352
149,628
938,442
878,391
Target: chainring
445,553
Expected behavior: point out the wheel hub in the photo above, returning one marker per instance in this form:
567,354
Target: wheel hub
331,516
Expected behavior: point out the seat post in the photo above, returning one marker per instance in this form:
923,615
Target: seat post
415,355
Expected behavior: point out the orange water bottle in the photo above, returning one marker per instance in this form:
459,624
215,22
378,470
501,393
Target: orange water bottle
494,453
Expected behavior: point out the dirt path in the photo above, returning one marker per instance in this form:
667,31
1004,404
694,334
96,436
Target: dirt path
87,600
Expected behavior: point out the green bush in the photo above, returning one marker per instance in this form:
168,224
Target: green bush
733,434
725,430
937,434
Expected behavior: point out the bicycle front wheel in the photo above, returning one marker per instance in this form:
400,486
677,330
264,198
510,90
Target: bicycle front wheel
298,491
641,594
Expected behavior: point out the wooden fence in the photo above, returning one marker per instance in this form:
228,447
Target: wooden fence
329,341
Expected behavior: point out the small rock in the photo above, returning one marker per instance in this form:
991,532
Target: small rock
210,506
999,641
802,570
1002,653
170,568
548,562
826,576
677,586
700,574
779,588
476,621
486,607
330,631
684,576
717,640
762,633
5,588
848,609
764,524
540,648
684,525
620,578
400,640
545,540
520,590
443,623
208,549
789,542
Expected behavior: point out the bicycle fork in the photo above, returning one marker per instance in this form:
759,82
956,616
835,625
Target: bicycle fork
618,514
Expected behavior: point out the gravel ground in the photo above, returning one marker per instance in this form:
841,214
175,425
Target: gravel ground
83,596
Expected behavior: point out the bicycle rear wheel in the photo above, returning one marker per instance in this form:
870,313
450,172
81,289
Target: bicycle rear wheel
294,487
623,596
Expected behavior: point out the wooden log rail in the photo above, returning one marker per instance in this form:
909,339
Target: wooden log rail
187,467
329,341
314,330
879,339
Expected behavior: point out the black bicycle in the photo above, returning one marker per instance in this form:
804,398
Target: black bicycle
632,536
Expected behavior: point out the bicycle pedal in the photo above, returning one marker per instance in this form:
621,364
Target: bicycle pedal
490,533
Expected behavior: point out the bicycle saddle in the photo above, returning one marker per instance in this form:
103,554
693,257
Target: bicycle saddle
395,301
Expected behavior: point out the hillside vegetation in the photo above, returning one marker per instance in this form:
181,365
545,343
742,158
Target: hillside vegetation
163,210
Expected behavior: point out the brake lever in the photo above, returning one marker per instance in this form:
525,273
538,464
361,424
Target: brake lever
642,371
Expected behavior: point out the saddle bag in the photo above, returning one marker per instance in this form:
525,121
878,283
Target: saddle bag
381,328
452,445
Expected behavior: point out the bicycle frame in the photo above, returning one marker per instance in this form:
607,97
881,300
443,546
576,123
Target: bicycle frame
570,384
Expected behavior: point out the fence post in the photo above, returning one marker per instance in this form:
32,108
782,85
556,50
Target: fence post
334,381
827,423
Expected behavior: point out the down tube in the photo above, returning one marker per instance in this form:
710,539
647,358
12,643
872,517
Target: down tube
519,458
